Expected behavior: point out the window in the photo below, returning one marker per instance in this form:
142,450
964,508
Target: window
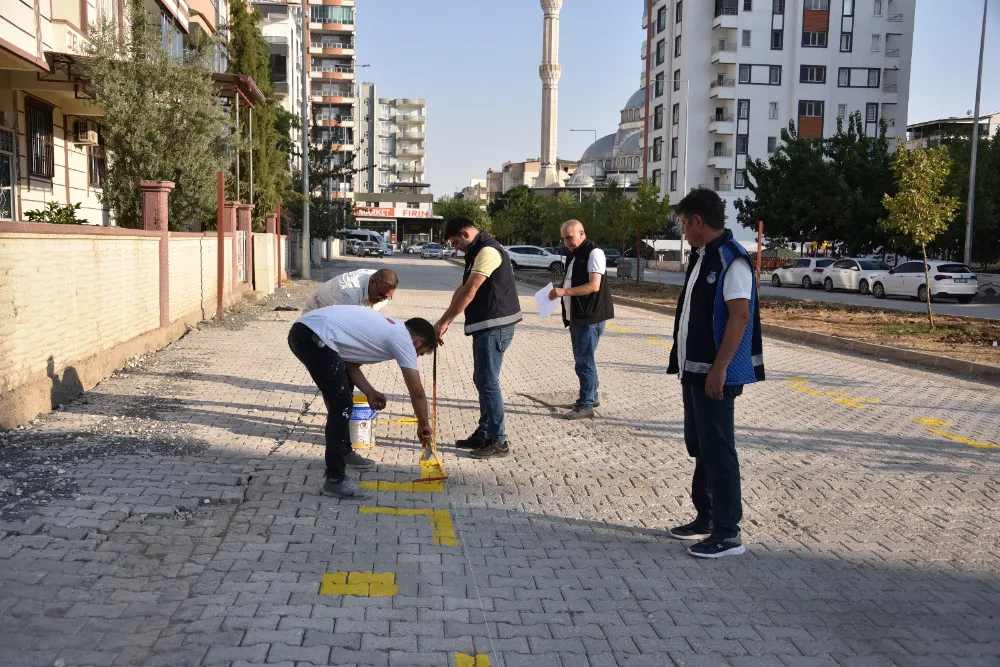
774,75
748,5
742,143
777,40
673,180
841,111
873,78
814,39
746,38
279,71
778,7
658,117
673,147
412,204
657,178
822,5
41,155
772,110
876,43
657,149
772,144
846,42
661,51
743,109
744,73
675,114
812,74
811,109
677,79
848,7
677,46
844,77
678,13
661,19
741,179
96,163
878,7
658,89
331,15
871,113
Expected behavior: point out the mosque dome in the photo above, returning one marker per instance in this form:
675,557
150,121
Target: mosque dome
621,151
586,175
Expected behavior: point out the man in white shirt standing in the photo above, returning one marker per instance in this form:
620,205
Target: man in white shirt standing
365,287
587,305
333,343
717,350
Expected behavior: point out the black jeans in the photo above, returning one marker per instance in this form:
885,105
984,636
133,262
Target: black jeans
709,433
328,372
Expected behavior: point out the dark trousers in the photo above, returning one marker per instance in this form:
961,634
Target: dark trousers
709,433
328,372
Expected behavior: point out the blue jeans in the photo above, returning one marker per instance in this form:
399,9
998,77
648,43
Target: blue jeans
488,348
585,340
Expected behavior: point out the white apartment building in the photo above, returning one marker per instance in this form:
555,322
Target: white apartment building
282,29
391,141
725,76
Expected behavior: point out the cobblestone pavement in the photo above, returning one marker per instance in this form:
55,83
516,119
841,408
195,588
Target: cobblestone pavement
187,529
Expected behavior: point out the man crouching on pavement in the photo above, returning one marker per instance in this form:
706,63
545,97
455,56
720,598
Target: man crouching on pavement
364,287
717,349
332,343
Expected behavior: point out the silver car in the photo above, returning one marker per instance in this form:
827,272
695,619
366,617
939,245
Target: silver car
432,251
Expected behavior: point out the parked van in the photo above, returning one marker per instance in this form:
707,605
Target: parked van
363,235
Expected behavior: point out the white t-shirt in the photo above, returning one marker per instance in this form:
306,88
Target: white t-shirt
361,335
738,285
347,289
596,263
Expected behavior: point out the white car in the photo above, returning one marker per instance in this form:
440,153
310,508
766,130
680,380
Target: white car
533,257
805,271
948,279
853,274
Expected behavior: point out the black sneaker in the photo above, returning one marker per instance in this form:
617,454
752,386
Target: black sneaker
692,531
475,441
358,462
717,547
493,449
342,489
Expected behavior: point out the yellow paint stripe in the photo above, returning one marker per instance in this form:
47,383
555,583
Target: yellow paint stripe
360,584
442,528
622,331
964,441
393,422
477,660
930,422
407,487
856,403
796,380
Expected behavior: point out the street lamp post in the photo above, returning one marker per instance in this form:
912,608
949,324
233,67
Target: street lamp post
306,99
975,145
593,179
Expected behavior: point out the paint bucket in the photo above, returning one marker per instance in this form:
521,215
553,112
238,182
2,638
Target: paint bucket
362,424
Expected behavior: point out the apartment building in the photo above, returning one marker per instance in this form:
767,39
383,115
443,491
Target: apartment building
282,28
930,133
725,76
51,148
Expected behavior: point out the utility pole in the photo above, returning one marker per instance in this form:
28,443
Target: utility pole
970,213
306,66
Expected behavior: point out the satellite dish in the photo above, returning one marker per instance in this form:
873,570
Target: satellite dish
969,112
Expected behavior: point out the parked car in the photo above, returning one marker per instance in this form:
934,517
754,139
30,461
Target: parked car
350,246
371,249
612,256
948,279
414,248
852,274
533,257
432,251
805,271
388,249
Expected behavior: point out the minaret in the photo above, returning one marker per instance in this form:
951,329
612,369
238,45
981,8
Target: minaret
549,72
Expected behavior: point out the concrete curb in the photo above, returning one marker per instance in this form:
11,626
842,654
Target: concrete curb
881,352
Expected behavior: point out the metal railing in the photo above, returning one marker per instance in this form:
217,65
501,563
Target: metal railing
725,83
896,18
890,88
721,187
720,118
724,46
720,152
892,53
331,45
726,11
343,69
333,93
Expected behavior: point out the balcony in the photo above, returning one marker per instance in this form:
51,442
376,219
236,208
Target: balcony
718,187
721,158
726,18
895,18
333,98
332,3
343,121
331,27
344,72
724,53
280,87
331,48
723,90
642,54
411,102
413,135
721,124
409,119
409,150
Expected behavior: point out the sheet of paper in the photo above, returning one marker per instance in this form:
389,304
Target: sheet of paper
546,306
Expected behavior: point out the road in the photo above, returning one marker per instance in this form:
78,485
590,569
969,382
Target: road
989,311
182,525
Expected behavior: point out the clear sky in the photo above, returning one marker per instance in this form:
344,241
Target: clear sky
476,63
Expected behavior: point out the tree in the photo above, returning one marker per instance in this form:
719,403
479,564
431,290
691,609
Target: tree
651,216
449,208
249,56
516,214
919,209
162,120
986,230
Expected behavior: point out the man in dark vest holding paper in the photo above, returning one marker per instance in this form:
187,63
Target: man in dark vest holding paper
488,297
586,306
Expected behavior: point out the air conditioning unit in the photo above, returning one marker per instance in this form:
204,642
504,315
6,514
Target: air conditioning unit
86,133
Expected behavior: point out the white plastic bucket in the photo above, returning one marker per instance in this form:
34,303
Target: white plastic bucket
362,424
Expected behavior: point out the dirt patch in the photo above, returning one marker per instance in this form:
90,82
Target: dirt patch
957,337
